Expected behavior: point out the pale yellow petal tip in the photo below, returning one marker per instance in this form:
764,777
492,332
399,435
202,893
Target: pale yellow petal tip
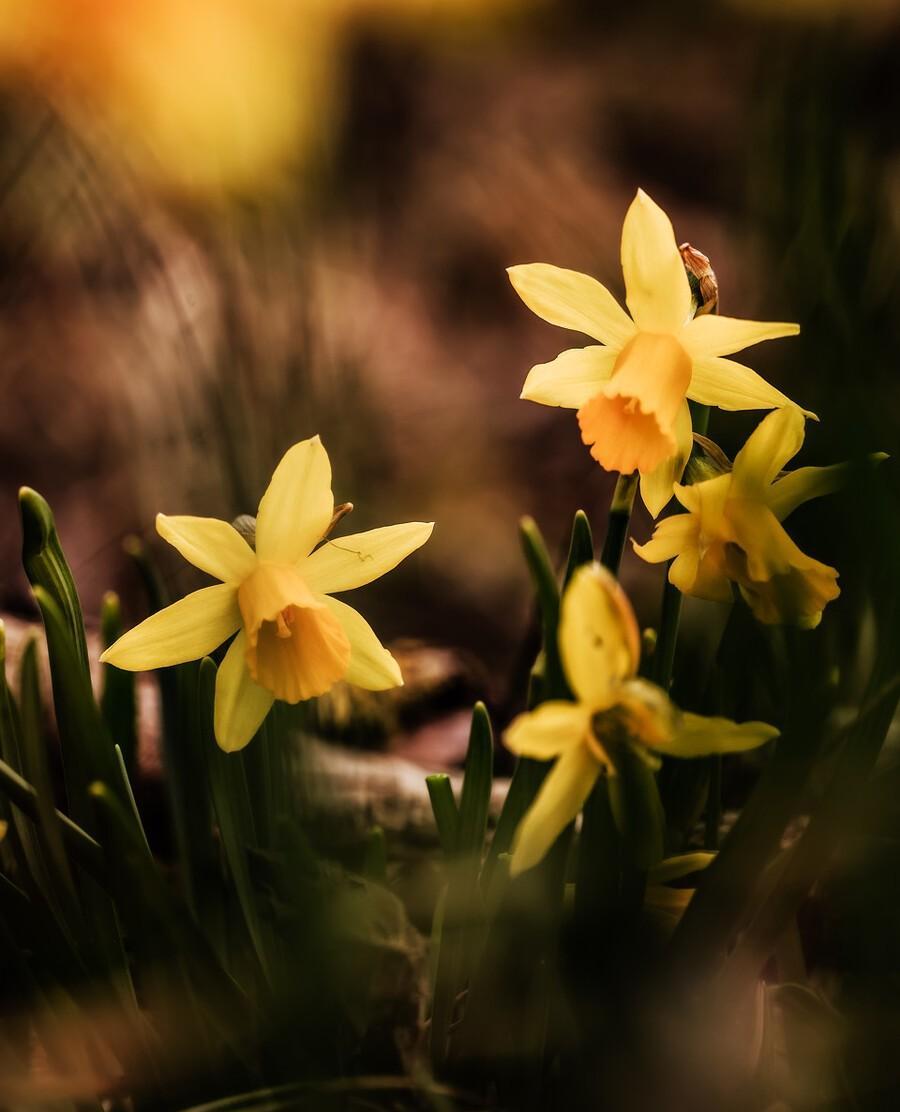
640,549
104,656
514,273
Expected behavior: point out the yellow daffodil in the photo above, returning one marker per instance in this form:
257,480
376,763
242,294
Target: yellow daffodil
600,648
732,531
631,391
293,640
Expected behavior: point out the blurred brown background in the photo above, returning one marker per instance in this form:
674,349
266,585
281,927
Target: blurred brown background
161,345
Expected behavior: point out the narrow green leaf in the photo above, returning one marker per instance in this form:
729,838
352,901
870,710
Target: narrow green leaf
527,778
46,566
21,834
547,590
581,546
36,769
234,815
118,700
446,815
211,1009
83,848
86,746
476,790
128,795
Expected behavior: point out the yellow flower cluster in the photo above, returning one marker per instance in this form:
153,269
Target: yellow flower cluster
292,640
631,394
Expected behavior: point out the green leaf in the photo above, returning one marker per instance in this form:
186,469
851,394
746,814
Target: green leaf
46,566
87,750
234,815
523,787
476,790
462,914
118,701
446,816
22,838
183,973
83,848
182,754
36,769
581,546
547,590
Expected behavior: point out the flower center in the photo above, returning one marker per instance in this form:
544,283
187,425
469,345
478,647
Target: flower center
296,647
629,424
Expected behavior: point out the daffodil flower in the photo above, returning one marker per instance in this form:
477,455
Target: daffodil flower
732,531
294,641
600,648
631,391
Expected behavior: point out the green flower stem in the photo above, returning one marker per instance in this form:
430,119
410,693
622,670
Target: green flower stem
670,617
619,519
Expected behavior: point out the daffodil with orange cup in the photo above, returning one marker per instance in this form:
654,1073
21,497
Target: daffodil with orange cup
631,390
294,641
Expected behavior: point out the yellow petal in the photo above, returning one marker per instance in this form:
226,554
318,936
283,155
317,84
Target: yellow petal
774,441
714,335
799,486
560,798
599,639
671,536
695,735
572,378
707,500
212,546
683,570
371,665
548,730
732,386
656,485
298,506
296,648
572,300
658,293
186,630
241,704
630,423
348,562
780,583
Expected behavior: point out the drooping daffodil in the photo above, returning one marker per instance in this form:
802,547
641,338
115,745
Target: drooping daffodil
732,532
631,390
294,641
600,648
